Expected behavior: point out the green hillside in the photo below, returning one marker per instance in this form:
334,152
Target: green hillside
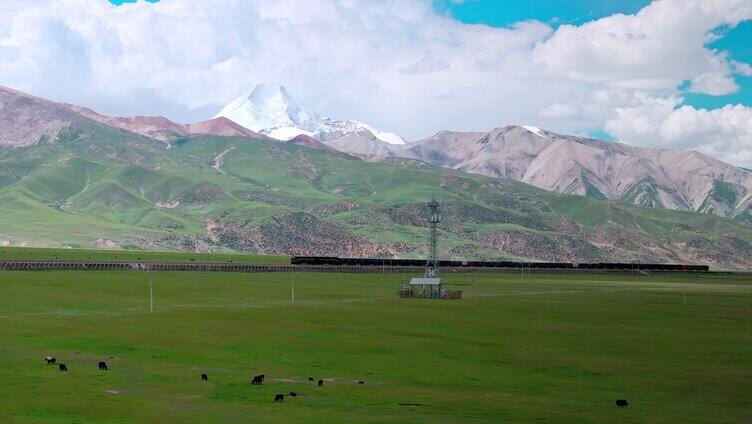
113,189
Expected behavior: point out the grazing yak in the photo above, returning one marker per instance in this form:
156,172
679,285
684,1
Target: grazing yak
50,360
321,382
622,403
310,378
293,394
102,365
204,377
258,379
279,397
361,382
62,367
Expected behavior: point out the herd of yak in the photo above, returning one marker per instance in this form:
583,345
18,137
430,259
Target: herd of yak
258,379
255,380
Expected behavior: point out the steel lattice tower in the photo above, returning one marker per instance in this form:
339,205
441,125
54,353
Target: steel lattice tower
432,267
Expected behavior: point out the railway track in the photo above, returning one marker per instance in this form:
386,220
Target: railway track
231,267
188,266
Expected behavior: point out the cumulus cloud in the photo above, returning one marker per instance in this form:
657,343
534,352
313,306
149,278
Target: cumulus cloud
399,65
725,133
657,48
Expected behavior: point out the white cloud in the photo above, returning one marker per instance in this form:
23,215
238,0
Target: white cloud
657,48
639,123
725,133
742,68
558,110
399,65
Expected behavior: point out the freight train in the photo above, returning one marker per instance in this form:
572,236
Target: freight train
335,261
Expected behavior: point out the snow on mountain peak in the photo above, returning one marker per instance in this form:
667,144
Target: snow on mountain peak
535,130
269,107
271,96
271,110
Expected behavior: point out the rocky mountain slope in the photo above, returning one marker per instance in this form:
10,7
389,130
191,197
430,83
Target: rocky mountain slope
26,120
659,178
161,128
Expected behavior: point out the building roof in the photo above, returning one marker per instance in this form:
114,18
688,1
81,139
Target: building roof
425,281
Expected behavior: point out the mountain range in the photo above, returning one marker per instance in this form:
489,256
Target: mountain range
657,178
72,177
660,178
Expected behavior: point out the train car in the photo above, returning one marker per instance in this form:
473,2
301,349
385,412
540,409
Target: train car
478,264
605,266
549,265
314,260
698,268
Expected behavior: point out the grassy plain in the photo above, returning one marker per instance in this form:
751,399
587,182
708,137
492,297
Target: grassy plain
542,348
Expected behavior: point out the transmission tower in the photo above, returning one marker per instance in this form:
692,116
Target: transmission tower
432,267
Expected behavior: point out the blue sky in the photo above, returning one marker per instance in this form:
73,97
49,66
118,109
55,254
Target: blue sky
553,12
738,42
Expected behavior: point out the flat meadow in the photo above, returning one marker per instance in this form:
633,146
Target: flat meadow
538,348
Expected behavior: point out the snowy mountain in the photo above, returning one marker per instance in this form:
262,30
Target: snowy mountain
269,109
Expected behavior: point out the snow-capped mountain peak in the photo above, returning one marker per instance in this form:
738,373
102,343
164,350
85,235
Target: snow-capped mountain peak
269,109
269,96
535,130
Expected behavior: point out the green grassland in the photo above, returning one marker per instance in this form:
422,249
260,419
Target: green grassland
541,348
112,189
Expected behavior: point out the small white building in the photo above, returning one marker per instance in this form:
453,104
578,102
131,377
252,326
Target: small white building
426,281
426,288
